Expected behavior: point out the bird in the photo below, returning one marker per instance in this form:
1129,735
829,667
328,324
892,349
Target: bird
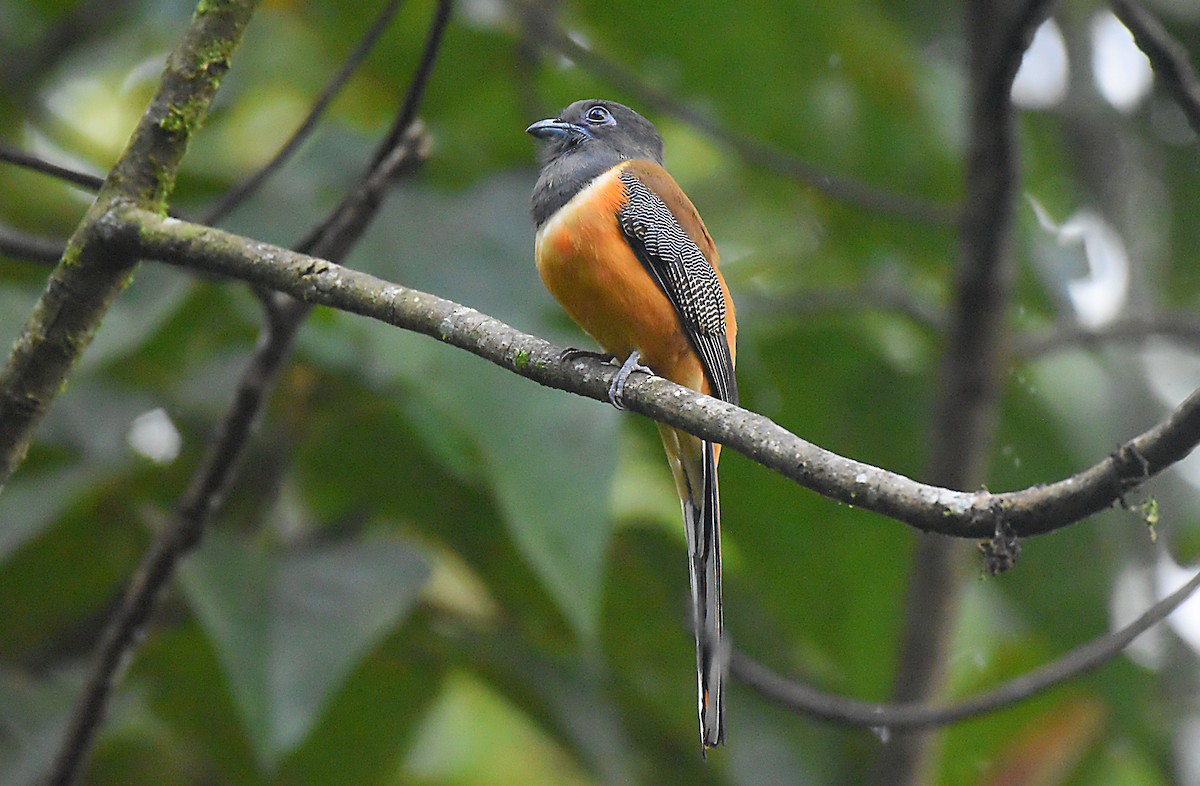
623,250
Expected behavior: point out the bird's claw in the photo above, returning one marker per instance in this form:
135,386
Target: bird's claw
616,390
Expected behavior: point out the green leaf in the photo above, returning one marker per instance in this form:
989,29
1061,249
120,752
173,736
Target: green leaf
548,457
289,628
35,713
32,503
33,717
473,735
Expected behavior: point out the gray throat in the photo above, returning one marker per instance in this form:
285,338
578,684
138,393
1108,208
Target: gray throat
565,175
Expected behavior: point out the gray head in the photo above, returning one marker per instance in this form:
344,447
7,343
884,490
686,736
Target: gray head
600,128
587,138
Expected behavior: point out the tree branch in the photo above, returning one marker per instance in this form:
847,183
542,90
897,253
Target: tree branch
1182,327
240,192
1169,57
965,410
847,189
1031,511
888,297
403,149
25,245
15,155
89,276
802,698
361,203
181,533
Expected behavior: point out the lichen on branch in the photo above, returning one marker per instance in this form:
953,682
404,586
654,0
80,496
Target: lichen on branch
91,273
1030,511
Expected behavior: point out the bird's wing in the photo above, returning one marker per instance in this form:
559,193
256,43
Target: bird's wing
672,256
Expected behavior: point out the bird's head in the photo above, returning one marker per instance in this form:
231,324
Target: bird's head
598,127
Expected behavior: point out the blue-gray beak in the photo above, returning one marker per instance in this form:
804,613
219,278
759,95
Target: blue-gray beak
547,129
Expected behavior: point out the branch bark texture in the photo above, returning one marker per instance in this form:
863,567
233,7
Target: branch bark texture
91,273
26,245
542,29
965,413
404,148
1169,57
967,514
810,701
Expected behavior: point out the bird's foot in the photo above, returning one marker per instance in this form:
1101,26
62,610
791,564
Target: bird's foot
616,391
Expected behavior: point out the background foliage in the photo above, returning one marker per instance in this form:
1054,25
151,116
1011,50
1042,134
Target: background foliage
432,571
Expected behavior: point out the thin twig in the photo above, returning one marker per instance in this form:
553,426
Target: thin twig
1182,327
25,245
15,155
1170,59
158,564
222,462
804,699
420,81
541,29
243,190
80,291
872,296
969,382
340,220
1031,511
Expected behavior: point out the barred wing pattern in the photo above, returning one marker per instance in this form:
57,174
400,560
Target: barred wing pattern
683,274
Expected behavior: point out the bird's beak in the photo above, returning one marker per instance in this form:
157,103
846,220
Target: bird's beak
550,128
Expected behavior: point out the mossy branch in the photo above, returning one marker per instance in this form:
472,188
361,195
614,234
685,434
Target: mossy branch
979,514
91,273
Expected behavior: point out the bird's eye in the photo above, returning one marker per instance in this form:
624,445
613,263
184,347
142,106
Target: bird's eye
598,115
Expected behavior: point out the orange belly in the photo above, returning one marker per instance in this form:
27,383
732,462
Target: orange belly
586,263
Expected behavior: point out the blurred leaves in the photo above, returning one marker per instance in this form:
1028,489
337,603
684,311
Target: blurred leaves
507,750
306,643
289,629
39,712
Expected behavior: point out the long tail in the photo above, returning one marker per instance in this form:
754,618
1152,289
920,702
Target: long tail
694,463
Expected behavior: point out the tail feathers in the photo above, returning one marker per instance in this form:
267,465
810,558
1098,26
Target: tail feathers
702,514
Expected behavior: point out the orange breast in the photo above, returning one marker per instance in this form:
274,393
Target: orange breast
586,263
